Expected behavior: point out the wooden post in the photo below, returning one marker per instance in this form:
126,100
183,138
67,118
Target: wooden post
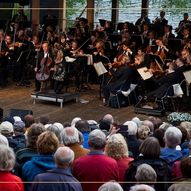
90,13
62,15
115,13
144,7
35,16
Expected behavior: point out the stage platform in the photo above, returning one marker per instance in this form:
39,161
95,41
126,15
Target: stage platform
52,96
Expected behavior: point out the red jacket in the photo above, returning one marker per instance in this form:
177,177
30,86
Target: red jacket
14,183
95,167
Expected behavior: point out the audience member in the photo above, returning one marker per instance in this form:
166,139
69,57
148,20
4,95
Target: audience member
95,167
110,186
9,182
61,175
70,138
47,144
117,149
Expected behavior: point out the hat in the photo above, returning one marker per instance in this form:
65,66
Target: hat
19,126
6,127
17,118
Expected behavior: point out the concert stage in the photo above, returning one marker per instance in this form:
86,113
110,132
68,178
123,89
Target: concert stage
52,96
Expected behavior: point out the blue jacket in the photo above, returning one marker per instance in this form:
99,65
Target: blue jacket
170,155
38,164
66,181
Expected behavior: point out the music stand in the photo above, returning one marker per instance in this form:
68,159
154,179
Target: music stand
157,59
102,22
175,44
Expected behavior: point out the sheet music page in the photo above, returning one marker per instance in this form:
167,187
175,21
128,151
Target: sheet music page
69,59
100,68
187,76
145,74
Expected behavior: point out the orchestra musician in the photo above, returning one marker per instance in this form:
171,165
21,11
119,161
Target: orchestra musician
44,67
167,34
183,23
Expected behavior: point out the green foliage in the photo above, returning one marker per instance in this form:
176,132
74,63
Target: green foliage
172,3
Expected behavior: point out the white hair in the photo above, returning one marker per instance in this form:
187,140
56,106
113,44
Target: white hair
132,127
64,155
3,140
137,121
69,135
108,118
7,159
172,137
110,186
75,120
141,187
59,125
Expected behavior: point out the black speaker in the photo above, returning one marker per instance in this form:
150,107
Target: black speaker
20,112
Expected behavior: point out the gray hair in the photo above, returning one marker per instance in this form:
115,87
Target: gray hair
56,130
64,156
70,135
97,139
141,187
7,159
146,173
110,186
3,140
172,137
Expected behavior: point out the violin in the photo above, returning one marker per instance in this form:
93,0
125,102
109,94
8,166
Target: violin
121,60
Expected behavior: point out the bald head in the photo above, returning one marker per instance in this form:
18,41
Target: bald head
63,157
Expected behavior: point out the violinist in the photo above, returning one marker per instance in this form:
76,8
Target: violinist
167,34
44,66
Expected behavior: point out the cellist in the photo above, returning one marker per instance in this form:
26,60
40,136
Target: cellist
44,66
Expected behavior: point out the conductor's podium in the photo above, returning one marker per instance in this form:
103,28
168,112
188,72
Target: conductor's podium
52,96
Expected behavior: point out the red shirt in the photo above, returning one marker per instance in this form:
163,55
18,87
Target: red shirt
10,182
97,168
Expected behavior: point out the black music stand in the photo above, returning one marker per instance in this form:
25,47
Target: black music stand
157,59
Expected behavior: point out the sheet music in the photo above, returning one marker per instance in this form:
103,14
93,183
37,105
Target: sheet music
144,72
187,76
100,68
69,59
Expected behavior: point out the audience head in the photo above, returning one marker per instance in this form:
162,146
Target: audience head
28,120
159,134
34,131
6,129
47,143
142,187
64,157
44,119
69,136
172,137
75,120
116,147
82,126
59,125
147,144
97,140
149,124
19,127
132,127
185,166
3,140
7,159
145,173
110,186
143,132
106,122
55,130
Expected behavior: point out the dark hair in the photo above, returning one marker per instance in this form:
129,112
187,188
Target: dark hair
185,167
34,131
184,132
44,119
28,120
159,134
82,126
150,148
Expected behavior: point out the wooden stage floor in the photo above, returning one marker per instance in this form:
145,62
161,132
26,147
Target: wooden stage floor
13,97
